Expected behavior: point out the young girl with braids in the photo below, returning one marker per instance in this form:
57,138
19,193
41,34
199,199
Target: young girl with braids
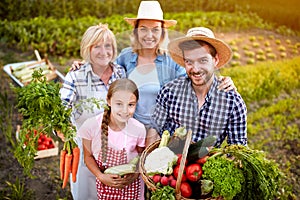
114,138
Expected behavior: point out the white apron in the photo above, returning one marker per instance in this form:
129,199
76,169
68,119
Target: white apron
85,186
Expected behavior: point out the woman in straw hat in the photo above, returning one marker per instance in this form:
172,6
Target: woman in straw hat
195,101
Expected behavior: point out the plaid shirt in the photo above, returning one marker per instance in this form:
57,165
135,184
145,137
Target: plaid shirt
75,85
222,114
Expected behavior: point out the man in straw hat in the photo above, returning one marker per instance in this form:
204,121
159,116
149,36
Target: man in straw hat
194,102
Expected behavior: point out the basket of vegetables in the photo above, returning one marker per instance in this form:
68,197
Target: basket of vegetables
175,168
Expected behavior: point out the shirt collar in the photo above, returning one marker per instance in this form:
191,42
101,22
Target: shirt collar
213,89
89,69
134,58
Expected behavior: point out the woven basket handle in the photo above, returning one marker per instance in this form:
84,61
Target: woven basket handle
182,163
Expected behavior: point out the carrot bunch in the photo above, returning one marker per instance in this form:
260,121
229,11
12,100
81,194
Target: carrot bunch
69,160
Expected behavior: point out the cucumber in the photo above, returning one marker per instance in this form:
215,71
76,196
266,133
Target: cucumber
198,153
200,149
206,142
121,169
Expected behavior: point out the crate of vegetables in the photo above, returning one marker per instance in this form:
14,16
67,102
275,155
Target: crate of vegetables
46,146
175,168
21,73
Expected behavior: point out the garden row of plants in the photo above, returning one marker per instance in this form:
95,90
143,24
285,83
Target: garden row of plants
271,92
61,37
275,11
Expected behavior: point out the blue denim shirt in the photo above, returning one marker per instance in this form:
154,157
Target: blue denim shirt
167,70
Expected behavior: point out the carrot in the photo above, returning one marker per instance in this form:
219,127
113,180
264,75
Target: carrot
75,162
62,163
67,170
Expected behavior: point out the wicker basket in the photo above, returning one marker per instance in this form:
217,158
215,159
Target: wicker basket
149,182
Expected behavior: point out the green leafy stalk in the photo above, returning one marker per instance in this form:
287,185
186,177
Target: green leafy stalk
43,111
262,176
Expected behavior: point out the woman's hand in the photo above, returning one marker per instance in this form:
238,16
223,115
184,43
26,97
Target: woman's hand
226,84
76,65
60,135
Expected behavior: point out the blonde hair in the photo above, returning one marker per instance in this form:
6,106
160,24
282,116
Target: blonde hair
96,34
123,84
162,45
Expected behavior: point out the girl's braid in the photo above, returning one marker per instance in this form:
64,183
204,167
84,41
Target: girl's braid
104,135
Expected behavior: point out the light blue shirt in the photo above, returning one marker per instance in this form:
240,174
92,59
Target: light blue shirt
167,70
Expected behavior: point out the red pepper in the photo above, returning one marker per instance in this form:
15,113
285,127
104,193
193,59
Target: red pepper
193,172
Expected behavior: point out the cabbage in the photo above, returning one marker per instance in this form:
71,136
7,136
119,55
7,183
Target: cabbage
160,161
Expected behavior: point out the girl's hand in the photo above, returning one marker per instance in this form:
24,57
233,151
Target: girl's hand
129,178
226,84
76,65
112,180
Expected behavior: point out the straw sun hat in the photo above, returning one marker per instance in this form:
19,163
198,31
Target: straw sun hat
150,10
200,33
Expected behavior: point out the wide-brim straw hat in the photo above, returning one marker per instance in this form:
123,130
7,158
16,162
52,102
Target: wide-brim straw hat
150,10
200,33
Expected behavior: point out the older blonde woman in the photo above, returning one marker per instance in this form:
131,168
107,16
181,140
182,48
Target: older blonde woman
92,80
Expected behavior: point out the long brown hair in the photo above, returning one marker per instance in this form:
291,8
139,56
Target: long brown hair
118,85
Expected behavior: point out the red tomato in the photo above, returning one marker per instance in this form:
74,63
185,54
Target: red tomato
51,146
194,172
47,143
186,189
202,160
42,147
175,173
179,159
43,137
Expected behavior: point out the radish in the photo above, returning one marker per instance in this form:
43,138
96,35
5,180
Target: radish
164,180
156,178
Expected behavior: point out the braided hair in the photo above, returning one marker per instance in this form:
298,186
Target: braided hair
123,84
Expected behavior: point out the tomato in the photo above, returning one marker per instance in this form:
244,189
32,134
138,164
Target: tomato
186,189
176,171
179,159
43,137
193,172
42,147
202,160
